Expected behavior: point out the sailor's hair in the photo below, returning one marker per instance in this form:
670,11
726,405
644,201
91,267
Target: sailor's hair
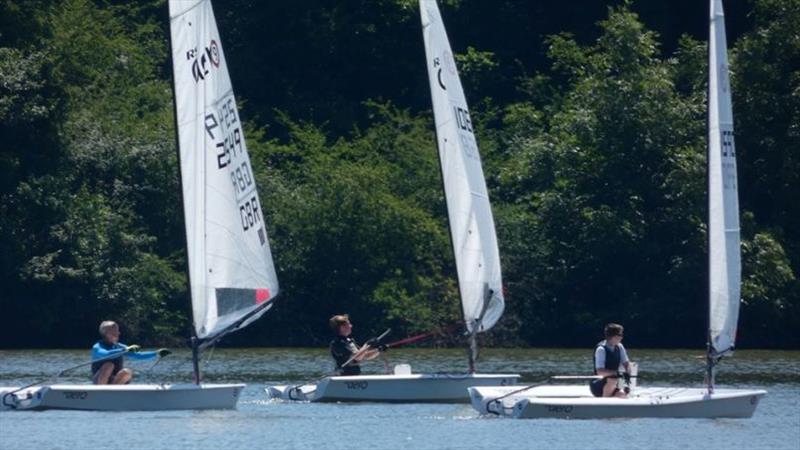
338,320
613,329
107,325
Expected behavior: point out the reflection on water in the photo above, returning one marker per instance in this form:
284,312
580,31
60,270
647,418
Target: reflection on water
258,422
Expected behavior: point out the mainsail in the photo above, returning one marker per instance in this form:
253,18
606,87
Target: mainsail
723,203
471,224
231,272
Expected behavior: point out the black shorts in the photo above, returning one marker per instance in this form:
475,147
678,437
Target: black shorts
113,373
350,370
596,386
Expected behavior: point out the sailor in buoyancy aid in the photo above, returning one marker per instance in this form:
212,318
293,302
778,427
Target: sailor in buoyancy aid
608,356
343,347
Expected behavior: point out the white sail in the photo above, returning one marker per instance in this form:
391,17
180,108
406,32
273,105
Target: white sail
231,272
723,203
471,224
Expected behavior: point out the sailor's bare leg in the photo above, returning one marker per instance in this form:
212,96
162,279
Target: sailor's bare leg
103,376
609,387
123,376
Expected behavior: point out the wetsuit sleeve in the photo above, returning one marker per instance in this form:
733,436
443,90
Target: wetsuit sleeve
600,358
623,355
140,356
99,352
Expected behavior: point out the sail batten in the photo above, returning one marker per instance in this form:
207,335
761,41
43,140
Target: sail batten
723,202
231,272
469,211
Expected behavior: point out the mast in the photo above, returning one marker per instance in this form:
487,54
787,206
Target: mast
472,348
472,345
194,340
196,359
709,348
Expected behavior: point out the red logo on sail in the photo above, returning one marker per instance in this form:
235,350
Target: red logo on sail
262,295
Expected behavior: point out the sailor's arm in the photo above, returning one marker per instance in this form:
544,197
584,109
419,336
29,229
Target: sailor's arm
99,352
142,355
367,354
626,363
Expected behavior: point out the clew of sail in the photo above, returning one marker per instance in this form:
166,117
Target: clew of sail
231,272
723,203
471,224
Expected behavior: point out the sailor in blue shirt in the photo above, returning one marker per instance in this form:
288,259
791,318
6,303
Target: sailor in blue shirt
107,369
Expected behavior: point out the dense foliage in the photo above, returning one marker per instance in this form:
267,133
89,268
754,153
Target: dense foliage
592,130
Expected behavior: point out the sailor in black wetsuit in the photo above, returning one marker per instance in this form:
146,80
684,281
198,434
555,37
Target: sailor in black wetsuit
608,356
343,347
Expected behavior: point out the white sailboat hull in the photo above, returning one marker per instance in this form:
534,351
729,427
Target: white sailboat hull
577,402
131,397
413,388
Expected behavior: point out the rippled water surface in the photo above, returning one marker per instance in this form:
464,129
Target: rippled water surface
259,423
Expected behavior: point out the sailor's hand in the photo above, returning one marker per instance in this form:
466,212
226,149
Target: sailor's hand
162,352
133,348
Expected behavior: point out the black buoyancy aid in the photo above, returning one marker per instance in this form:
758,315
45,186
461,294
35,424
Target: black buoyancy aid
342,349
613,356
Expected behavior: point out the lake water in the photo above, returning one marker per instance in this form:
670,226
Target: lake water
259,423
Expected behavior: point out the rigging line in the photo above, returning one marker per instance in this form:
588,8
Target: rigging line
259,309
498,400
419,337
236,322
210,354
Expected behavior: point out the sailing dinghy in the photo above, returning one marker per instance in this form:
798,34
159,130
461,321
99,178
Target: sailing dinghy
474,244
724,284
231,272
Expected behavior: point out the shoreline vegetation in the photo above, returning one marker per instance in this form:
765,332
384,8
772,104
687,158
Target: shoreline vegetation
590,124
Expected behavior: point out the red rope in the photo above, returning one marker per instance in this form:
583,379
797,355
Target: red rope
422,336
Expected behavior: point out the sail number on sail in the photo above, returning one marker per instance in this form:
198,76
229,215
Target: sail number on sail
728,159
223,127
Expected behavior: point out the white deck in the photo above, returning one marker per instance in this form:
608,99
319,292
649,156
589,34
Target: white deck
577,402
131,397
408,388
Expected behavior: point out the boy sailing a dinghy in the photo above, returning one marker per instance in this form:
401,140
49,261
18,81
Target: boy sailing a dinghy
343,347
608,356
109,370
